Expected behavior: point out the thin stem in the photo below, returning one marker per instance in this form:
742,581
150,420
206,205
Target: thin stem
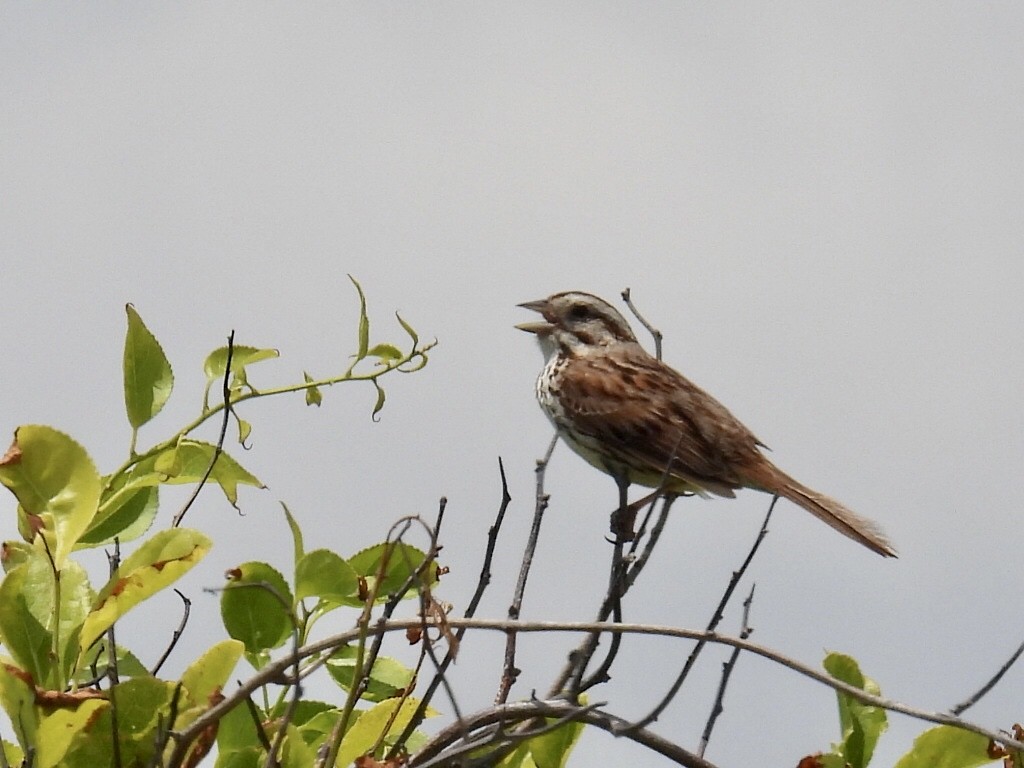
509,672
712,624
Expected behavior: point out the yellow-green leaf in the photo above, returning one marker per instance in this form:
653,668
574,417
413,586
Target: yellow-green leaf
148,379
364,321
367,730
188,461
158,563
313,394
54,481
241,355
208,674
947,747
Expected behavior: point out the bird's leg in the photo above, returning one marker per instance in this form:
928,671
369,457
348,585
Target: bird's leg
624,517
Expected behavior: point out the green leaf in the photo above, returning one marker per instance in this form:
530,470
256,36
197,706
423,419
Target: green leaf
189,460
399,561
408,329
97,664
158,563
552,750
216,362
366,731
13,753
313,394
148,379
55,483
124,513
947,747
298,549
380,400
862,724
27,617
207,675
385,352
364,321
388,678
27,592
323,574
18,697
256,607
61,727
142,707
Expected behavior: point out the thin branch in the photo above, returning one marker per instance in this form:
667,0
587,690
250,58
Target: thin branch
275,669
481,586
113,563
434,753
970,702
655,333
177,633
219,447
653,715
509,671
727,668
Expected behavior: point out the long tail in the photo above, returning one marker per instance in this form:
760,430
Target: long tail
773,480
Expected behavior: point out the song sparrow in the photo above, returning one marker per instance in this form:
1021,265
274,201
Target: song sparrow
639,420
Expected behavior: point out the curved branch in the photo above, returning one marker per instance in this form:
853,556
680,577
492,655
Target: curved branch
275,670
433,754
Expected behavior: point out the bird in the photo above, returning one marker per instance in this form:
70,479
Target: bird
637,419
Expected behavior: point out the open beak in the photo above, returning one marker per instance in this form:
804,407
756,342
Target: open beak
540,327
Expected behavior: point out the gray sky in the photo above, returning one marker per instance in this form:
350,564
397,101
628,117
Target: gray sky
818,203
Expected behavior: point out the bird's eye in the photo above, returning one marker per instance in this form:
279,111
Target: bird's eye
579,312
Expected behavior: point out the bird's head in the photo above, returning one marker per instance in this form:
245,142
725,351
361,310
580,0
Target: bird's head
576,322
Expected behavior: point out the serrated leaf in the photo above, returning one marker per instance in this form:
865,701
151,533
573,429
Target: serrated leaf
947,747
148,379
156,564
54,480
188,461
399,561
385,352
388,678
364,322
321,573
313,394
256,607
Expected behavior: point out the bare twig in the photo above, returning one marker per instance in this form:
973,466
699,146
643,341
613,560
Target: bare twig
712,624
275,669
509,671
492,722
727,668
655,333
177,633
219,447
976,697
113,563
481,586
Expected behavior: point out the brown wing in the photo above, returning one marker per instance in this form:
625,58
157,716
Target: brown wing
646,415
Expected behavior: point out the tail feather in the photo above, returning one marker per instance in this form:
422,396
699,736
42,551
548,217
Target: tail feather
830,511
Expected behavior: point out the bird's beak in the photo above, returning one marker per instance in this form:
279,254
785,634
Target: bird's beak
539,327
